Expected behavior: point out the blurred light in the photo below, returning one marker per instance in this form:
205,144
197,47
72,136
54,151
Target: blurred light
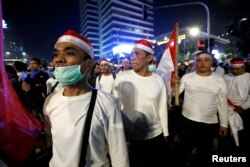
244,19
172,44
122,48
24,54
179,41
194,31
216,53
121,55
4,24
138,30
7,53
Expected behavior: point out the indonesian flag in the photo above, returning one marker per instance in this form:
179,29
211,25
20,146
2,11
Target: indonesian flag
19,130
167,62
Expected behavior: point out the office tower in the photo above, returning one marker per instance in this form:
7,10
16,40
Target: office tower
114,25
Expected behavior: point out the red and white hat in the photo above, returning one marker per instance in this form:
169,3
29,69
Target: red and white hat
77,39
237,62
144,45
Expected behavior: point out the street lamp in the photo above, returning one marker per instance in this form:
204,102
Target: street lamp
194,3
194,31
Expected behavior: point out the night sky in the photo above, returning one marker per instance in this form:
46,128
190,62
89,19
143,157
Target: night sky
222,13
40,22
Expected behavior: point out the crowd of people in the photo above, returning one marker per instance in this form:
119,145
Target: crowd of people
132,122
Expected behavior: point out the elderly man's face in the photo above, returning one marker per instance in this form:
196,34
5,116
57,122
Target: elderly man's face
140,59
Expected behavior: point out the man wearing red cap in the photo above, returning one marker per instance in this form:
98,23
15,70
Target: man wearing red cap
238,87
65,111
142,95
204,110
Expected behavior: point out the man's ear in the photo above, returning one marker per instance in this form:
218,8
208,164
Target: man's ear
88,65
149,58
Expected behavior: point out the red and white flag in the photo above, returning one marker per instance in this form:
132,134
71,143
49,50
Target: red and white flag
168,59
19,129
168,64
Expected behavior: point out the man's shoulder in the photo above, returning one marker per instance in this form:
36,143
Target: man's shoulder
124,74
188,75
106,101
105,96
107,76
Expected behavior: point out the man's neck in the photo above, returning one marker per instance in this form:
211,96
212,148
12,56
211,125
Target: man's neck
77,89
143,73
204,74
106,74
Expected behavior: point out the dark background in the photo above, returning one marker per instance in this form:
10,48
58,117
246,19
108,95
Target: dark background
38,23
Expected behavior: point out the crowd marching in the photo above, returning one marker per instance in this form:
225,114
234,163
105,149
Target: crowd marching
134,120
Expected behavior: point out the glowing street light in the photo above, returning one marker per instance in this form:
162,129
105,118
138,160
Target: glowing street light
194,31
194,3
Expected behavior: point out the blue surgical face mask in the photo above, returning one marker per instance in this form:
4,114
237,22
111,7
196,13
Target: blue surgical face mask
68,75
151,67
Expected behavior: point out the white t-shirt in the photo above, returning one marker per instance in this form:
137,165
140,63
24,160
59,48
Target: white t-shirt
106,83
238,89
64,119
204,96
144,104
50,83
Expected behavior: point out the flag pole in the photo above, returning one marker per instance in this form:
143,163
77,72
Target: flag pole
176,88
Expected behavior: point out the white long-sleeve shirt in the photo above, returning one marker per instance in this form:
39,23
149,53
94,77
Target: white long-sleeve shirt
238,88
144,104
105,83
204,96
65,119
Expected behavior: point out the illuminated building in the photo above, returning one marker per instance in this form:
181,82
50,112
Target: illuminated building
114,24
13,48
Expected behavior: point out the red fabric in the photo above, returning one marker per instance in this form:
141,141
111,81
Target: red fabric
75,34
237,62
172,43
145,43
231,104
19,130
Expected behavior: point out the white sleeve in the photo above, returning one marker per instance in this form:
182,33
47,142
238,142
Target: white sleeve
163,111
223,105
97,85
246,104
116,139
182,84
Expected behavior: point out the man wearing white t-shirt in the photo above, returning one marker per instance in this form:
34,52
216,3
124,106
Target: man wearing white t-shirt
65,111
238,87
205,111
143,98
105,81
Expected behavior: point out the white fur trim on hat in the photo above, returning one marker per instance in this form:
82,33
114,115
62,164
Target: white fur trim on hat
85,46
145,48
